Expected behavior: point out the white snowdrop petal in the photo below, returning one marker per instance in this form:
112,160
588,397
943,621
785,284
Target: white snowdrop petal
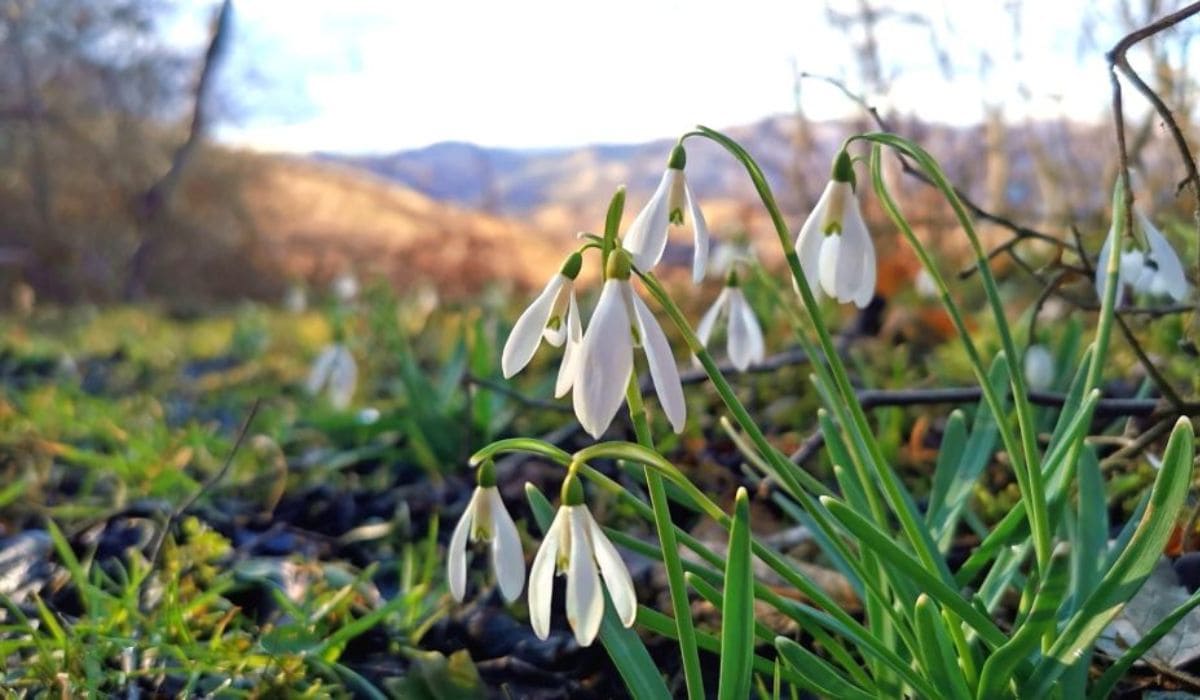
541,576
604,362
456,551
319,374
745,336
1169,279
827,267
556,335
508,559
663,370
343,377
709,320
527,332
809,242
615,573
860,267
1039,367
700,238
646,237
570,360
585,600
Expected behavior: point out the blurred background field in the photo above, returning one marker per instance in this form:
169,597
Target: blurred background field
186,193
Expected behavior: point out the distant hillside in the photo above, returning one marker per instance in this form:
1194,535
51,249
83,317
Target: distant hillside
327,218
567,189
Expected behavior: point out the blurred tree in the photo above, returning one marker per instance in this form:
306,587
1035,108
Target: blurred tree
101,116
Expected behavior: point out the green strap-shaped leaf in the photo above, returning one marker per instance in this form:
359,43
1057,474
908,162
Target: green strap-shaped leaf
1131,568
937,652
998,670
737,618
818,674
626,650
891,553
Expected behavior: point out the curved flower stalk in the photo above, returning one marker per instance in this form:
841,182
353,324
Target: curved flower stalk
834,245
646,238
576,547
604,361
335,372
745,338
1149,265
487,520
553,315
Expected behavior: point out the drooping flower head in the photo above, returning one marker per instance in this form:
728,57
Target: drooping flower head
604,362
553,315
834,245
1148,263
671,204
487,520
576,546
1039,367
334,371
744,336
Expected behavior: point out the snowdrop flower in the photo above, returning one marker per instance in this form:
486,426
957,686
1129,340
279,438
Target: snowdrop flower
925,285
1039,367
1149,265
345,287
335,371
646,238
576,547
605,358
744,334
295,300
487,520
553,315
726,255
834,245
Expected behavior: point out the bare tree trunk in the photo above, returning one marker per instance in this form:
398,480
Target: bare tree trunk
151,205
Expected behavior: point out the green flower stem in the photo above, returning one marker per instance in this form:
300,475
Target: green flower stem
666,538
910,522
838,407
1027,473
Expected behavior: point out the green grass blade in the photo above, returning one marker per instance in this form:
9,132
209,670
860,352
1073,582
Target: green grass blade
626,650
737,618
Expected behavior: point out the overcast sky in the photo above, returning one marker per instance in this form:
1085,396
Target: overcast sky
382,75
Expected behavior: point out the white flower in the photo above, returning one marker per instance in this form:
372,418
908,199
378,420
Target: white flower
834,245
1150,267
1039,367
646,238
345,287
605,358
726,255
925,285
487,520
553,315
577,547
745,337
295,300
335,371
